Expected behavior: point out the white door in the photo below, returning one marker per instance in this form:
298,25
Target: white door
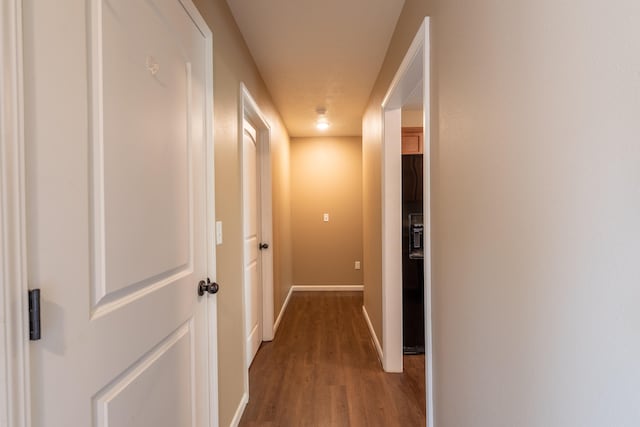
117,131
252,261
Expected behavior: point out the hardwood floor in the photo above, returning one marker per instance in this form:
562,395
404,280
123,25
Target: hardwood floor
322,370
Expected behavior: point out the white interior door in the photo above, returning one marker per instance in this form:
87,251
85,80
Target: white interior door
117,134
252,258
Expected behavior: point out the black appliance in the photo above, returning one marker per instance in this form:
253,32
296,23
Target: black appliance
412,255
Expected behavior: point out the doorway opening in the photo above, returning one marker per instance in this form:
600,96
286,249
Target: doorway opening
412,228
255,159
409,87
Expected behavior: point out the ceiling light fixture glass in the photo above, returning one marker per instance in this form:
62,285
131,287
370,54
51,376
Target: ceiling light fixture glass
322,123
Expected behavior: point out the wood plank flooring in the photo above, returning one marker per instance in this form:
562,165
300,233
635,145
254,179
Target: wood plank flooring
322,370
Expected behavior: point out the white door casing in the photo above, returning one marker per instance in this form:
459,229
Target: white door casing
412,76
14,330
261,132
118,113
252,240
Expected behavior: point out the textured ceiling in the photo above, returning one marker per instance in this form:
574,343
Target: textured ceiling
315,54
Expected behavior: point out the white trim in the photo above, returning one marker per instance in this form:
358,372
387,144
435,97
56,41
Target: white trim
405,81
282,310
426,120
250,111
409,70
326,288
392,241
14,347
240,411
212,300
374,337
413,73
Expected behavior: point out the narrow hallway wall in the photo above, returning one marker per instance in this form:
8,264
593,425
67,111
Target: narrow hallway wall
537,209
411,18
232,64
535,206
326,177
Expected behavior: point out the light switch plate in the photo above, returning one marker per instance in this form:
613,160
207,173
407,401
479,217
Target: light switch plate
218,232
357,265
325,217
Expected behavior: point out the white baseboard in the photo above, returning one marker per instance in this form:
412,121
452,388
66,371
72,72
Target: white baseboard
327,288
374,337
284,307
238,415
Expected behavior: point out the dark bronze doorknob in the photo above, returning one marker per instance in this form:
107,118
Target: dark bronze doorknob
208,286
262,246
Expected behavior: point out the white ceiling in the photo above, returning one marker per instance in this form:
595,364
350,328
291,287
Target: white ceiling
324,53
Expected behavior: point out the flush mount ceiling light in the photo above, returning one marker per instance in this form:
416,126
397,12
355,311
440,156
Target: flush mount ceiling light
322,123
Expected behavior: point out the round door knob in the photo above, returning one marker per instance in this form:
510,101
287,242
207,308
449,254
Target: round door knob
262,246
208,286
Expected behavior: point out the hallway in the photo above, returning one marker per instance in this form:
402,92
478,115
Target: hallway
322,370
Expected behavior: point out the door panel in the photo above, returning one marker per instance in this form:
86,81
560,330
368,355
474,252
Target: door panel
252,261
142,157
117,212
152,392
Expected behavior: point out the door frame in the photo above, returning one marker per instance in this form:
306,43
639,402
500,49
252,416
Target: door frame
14,348
210,223
412,75
250,111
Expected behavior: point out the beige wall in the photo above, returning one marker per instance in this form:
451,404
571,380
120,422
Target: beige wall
410,20
411,118
233,64
535,206
537,213
326,176
282,236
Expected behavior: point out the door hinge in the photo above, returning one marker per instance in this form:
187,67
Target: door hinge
34,314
